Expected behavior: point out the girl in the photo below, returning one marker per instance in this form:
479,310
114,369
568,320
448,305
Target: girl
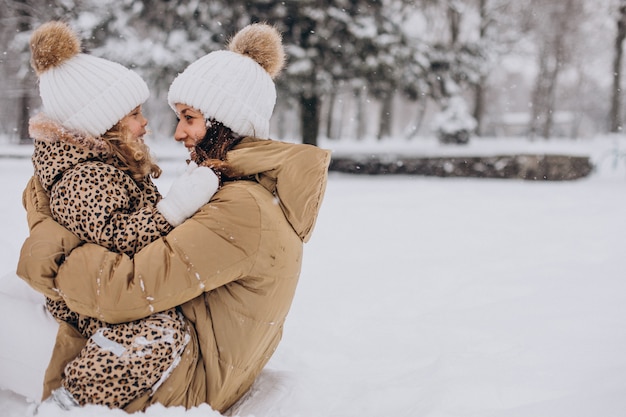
90,157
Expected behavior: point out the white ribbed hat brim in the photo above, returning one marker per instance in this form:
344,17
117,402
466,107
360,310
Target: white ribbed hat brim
229,87
91,94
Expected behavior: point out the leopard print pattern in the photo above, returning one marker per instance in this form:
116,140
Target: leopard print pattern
61,312
86,326
122,362
100,203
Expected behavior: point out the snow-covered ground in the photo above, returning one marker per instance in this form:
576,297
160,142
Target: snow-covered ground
418,296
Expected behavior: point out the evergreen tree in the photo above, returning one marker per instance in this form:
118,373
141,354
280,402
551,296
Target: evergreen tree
157,39
331,43
453,63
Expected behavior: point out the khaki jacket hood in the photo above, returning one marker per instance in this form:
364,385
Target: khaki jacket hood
294,174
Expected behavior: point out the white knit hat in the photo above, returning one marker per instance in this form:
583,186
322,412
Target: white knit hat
235,87
81,91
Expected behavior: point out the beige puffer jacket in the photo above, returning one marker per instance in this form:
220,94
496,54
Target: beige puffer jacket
233,268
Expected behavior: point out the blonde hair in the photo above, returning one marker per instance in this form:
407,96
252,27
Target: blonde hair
133,156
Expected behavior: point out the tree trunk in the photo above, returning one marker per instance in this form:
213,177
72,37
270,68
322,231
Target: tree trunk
24,116
479,105
550,100
24,112
384,129
419,118
310,116
544,97
281,129
479,88
331,110
616,101
360,114
539,96
454,22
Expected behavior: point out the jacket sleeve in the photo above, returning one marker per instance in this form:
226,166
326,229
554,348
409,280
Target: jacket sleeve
48,244
217,246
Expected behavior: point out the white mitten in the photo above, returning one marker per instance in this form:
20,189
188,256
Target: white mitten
193,189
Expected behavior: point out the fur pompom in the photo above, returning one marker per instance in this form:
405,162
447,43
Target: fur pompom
52,44
263,43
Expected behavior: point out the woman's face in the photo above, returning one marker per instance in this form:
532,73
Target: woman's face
136,124
191,126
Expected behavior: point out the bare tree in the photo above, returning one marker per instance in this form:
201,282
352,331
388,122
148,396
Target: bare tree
556,26
616,96
496,34
23,25
479,88
18,82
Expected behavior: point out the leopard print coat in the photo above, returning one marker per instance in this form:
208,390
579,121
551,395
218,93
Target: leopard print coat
89,194
93,198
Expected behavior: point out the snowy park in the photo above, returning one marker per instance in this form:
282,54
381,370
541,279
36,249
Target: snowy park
419,296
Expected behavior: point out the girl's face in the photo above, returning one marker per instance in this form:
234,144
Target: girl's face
136,124
191,126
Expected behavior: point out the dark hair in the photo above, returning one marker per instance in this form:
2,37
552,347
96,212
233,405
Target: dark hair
212,149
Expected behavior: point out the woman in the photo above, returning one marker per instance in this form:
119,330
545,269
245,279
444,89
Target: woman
233,267
90,157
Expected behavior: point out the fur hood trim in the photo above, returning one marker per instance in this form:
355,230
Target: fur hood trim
44,128
58,149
